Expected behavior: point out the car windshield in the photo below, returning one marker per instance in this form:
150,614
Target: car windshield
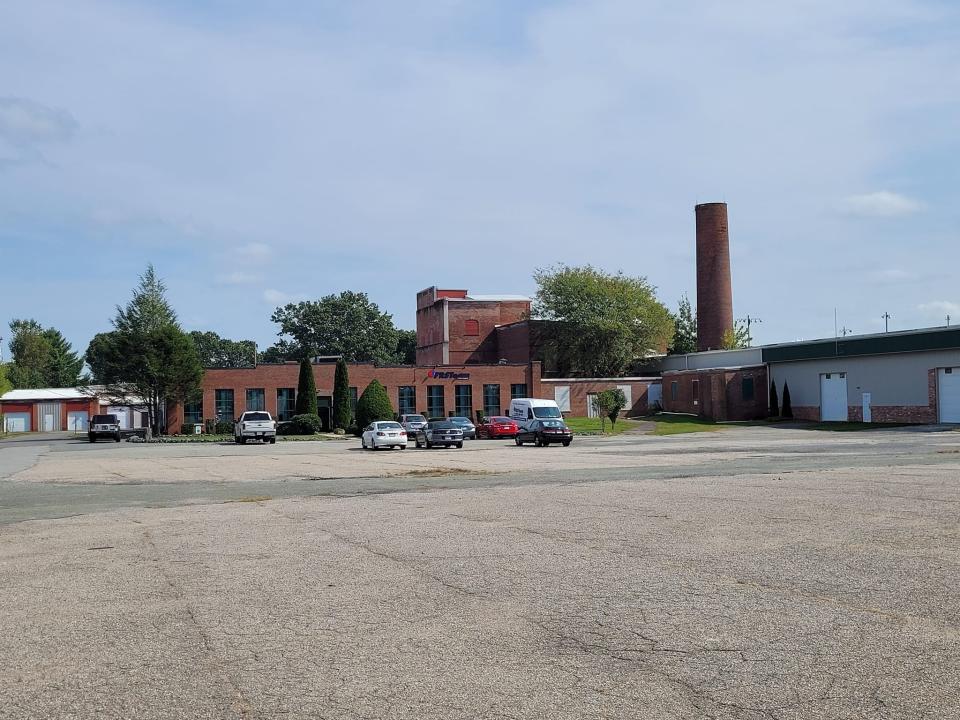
547,412
443,425
501,420
416,418
551,423
105,419
460,421
389,426
253,416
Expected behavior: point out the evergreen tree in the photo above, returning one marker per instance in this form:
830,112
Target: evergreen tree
373,405
147,354
685,337
63,364
787,410
342,413
42,357
306,390
774,403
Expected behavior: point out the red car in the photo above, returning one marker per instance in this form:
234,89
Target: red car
497,427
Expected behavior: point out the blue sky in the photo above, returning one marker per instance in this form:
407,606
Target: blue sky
263,152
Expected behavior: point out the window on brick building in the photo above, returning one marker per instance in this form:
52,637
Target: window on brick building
491,400
463,397
224,404
471,327
193,411
353,403
255,399
696,392
518,390
407,399
746,388
286,403
435,401
674,390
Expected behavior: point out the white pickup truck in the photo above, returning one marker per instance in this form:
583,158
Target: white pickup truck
255,425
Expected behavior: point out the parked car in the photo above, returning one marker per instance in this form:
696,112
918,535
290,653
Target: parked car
104,426
526,411
467,426
383,433
497,427
440,432
412,423
543,432
255,425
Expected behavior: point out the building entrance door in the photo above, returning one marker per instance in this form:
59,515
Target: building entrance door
324,405
833,397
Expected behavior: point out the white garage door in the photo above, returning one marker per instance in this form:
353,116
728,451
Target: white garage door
833,397
17,422
561,396
948,394
77,421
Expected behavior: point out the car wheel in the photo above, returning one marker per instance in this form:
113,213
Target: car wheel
116,438
236,439
93,438
518,441
459,444
566,443
417,443
429,445
402,447
273,441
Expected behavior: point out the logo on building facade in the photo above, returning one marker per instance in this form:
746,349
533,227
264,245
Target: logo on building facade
447,375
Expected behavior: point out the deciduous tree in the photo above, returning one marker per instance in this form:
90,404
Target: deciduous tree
348,324
602,321
220,352
685,337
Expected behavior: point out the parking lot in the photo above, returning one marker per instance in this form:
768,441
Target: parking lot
748,573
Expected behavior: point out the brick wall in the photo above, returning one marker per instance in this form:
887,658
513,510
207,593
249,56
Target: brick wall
271,377
580,388
717,394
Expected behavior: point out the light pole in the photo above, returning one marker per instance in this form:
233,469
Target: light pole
844,331
886,322
751,321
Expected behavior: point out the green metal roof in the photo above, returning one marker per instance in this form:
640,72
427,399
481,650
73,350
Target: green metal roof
946,338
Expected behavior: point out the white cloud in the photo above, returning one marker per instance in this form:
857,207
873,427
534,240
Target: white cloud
24,121
236,278
880,204
894,275
255,252
939,309
278,297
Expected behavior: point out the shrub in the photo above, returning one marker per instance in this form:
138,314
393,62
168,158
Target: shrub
608,404
342,413
306,390
187,428
374,404
302,425
223,427
787,410
774,403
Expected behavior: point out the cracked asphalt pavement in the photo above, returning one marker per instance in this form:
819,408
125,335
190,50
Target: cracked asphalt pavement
749,573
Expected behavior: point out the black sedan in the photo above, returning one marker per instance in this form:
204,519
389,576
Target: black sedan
442,432
543,432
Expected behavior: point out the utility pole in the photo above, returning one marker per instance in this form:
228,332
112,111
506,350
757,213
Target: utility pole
844,331
1,350
886,322
751,321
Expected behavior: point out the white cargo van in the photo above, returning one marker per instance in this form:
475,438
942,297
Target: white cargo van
525,410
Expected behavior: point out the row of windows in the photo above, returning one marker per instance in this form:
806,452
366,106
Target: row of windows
406,401
747,390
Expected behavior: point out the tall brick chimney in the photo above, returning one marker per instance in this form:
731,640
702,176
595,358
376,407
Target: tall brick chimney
714,290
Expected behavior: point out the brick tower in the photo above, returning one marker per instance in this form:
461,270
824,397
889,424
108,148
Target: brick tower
714,290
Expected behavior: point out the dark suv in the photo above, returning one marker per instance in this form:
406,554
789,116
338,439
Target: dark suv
104,426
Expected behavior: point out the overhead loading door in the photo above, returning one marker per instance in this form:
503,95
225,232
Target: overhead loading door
833,397
48,417
948,394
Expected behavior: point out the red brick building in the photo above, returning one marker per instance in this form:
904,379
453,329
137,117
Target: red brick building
431,390
454,327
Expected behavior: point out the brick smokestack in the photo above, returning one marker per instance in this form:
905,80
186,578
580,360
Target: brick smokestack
714,291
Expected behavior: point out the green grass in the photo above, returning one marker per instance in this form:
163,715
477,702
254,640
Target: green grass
670,424
591,426
229,438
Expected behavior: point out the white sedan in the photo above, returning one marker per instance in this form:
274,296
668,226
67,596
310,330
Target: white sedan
384,434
